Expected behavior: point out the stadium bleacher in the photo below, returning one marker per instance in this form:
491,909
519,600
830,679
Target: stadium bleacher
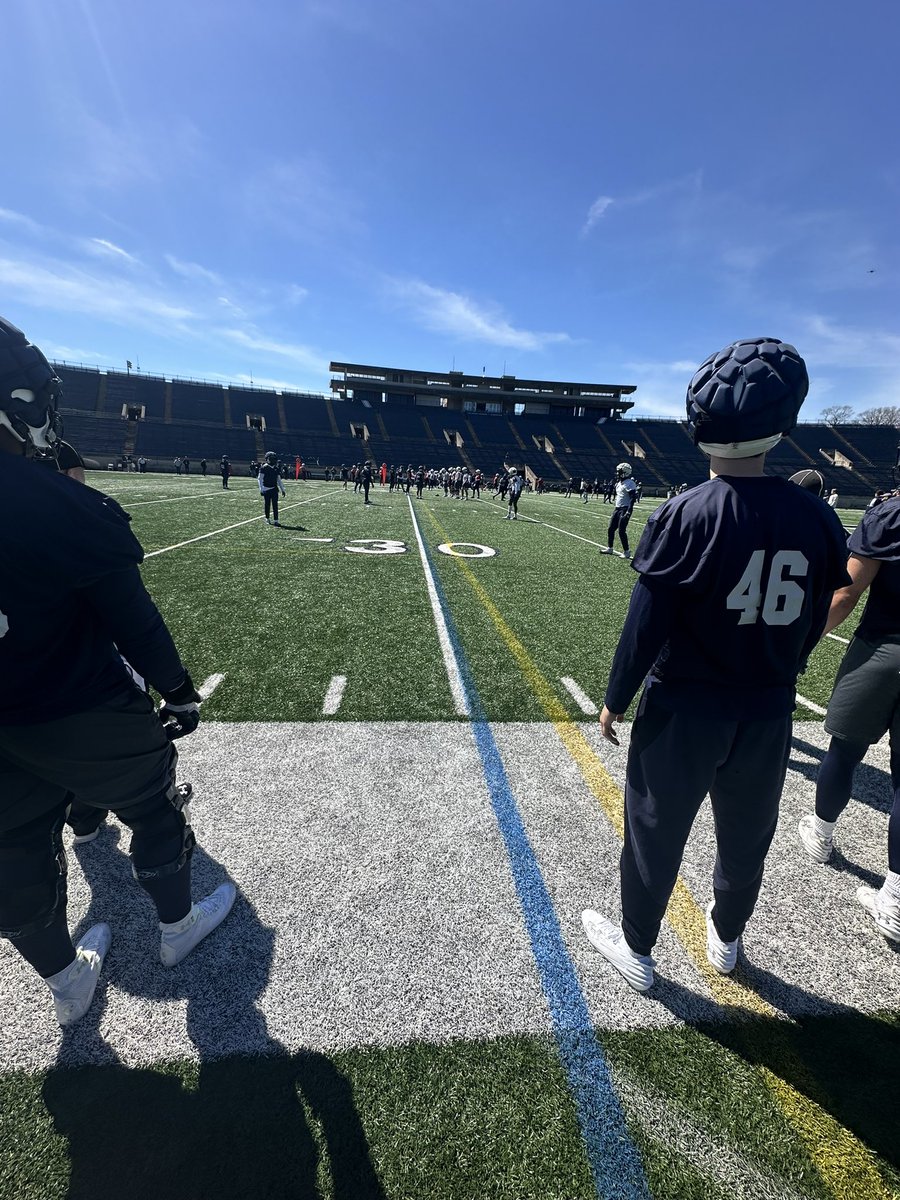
206,420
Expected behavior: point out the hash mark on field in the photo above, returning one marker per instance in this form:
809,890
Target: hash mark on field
809,704
334,695
208,686
838,638
582,699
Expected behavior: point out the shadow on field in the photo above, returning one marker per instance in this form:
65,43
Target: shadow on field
845,1061
247,1120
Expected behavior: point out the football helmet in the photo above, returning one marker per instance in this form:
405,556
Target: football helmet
271,456
623,471
810,481
744,398
29,391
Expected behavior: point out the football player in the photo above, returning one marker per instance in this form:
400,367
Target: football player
735,579
270,484
516,484
625,496
865,703
71,719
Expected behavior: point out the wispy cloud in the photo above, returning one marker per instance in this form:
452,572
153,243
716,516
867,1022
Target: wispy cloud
193,271
65,288
595,212
301,356
101,246
172,301
688,185
302,199
459,316
833,344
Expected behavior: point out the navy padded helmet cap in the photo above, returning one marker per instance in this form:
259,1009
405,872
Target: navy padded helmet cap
752,389
22,365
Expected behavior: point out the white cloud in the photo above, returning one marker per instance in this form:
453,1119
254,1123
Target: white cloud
595,212
67,288
302,356
459,316
690,185
832,344
102,247
193,271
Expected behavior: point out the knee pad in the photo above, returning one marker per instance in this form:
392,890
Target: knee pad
161,839
33,871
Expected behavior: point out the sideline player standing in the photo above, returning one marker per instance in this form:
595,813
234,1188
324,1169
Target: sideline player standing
735,581
270,485
70,593
625,495
865,703
516,483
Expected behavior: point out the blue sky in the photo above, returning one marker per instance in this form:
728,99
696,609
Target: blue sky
603,192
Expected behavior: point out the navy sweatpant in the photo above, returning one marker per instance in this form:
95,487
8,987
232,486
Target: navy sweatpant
675,759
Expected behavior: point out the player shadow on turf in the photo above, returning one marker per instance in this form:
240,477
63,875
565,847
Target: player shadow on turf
843,1060
235,1124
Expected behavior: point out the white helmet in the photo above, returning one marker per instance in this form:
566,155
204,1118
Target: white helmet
623,470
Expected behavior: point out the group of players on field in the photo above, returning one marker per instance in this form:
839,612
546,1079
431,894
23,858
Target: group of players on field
737,580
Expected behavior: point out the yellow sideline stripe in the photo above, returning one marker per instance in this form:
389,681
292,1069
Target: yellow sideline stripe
846,1166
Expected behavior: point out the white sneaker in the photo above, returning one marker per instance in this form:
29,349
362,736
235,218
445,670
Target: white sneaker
180,938
635,969
627,557
82,839
885,913
73,988
721,955
606,550
818,848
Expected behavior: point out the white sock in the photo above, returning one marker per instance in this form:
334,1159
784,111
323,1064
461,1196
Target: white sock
823,829
178,926
61,978
890,889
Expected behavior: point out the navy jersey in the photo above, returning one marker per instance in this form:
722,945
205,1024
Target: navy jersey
737,577
269,476
878,536
70,592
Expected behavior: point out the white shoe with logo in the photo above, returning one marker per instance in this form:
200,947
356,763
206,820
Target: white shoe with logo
180,938
73,988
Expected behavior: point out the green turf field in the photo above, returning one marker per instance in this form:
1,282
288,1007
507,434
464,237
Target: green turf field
399,767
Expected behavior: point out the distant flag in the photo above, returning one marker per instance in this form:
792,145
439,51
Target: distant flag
128,363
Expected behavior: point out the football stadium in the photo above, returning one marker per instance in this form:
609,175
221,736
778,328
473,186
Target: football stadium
400,767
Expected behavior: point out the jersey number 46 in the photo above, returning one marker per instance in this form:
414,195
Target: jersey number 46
783,600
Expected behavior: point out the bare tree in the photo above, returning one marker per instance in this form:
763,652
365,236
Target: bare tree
837,414
886,414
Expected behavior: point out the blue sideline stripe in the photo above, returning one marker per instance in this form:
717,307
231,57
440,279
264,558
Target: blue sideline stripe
614,1159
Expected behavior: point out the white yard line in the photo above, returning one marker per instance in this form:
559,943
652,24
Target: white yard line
582,699
809,704
836,637
454,676
183,496
334,695
225,529
546,525
208,686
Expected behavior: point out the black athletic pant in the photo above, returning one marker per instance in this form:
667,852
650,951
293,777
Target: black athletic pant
674,760
270,497
619,520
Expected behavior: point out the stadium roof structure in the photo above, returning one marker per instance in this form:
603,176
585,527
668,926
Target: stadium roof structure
501,394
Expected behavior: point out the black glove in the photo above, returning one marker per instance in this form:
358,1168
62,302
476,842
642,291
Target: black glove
180,710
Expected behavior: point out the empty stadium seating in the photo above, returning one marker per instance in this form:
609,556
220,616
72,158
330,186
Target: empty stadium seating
206,420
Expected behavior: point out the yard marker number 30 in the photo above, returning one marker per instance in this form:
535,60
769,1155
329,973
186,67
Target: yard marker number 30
784,598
